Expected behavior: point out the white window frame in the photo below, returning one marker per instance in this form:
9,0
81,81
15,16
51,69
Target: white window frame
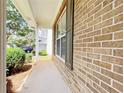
60,38
59,56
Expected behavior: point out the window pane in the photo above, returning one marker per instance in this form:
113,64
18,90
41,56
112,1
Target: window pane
58,30
63,47
58,47
61,36
61,26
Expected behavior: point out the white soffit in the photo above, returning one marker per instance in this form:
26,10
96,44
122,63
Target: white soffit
25,10
45,11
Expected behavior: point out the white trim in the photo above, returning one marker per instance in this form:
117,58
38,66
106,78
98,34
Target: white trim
60,58
61,36
60,47
2,46
23,6
61,15
49,42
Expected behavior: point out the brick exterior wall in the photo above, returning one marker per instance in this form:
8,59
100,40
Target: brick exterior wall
98,48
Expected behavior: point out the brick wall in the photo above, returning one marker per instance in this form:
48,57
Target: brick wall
98,50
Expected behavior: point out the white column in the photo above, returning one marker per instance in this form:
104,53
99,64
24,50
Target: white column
49,42
37,44
2,46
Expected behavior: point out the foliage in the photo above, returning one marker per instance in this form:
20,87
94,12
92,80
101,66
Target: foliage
33,52
15,59
28,40
43,53
29,57
18,32
16,25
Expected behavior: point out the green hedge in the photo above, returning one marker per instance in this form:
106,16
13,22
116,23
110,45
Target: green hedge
15,59
29,57
43,53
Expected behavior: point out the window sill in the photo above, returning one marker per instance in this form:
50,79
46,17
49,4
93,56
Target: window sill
60,58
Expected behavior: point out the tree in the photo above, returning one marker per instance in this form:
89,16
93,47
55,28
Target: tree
28,40
20,41
18,32
15,24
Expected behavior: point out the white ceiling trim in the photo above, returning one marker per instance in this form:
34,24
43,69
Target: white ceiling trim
45,11
24,8
38,13
57,10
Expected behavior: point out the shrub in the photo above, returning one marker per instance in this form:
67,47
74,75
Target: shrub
43,53
33,52
15,59
29,57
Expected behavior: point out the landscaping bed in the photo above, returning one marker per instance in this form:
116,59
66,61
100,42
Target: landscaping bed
18,67
15,81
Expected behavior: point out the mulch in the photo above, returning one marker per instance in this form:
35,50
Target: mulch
17,72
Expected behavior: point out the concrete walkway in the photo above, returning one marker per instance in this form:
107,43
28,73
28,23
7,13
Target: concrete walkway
45,78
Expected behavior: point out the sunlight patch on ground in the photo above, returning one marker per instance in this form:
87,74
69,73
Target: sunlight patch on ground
42,58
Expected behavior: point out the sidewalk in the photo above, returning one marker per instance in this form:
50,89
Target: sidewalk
45,78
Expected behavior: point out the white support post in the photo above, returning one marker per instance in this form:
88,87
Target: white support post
37,45
49,42
2,46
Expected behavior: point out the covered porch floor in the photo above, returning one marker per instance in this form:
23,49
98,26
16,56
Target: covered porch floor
45,78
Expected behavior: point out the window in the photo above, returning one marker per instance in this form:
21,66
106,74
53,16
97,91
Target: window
63,47
64,34
58,47
61,36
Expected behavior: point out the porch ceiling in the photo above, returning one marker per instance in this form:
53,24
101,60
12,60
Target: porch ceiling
40,13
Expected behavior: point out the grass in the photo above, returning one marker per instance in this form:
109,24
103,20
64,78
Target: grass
43,58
